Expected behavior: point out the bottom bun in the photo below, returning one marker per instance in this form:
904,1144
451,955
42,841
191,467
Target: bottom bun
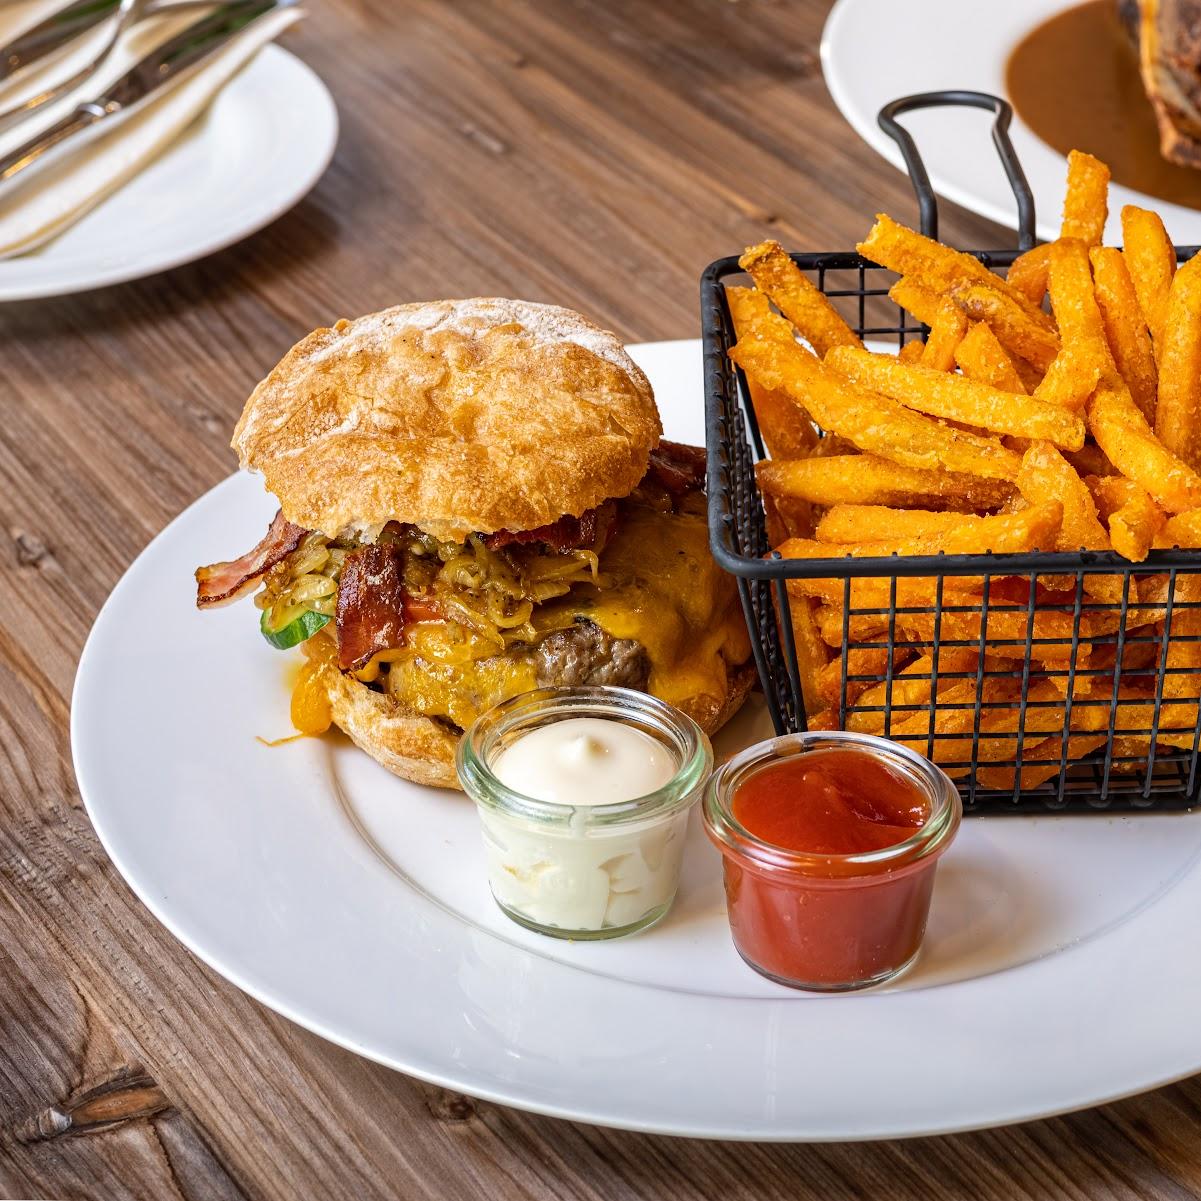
711,714
423,750
411,746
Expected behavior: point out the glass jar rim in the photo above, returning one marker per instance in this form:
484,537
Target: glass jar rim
530,709
928,839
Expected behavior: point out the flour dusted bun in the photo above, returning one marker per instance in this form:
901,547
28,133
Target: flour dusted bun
454,415
423,750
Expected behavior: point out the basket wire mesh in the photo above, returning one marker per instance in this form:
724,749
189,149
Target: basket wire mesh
1033,700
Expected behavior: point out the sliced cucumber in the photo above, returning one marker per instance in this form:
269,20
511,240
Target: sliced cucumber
295,631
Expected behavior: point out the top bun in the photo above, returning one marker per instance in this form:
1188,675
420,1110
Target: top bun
454,415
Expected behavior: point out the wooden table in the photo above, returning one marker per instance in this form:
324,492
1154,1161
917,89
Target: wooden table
588,152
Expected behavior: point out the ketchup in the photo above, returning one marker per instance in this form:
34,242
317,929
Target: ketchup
829,855
833,802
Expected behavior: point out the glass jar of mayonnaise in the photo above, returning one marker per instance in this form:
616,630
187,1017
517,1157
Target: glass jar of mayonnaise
584,795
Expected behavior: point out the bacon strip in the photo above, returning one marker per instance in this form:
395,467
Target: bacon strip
568,533
674,466
371,604
221,583
677,468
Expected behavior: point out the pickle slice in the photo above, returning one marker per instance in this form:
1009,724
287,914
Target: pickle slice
295,631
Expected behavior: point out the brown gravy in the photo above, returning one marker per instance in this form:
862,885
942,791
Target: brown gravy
1075,82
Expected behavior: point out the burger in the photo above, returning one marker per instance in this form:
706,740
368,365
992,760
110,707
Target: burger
474,501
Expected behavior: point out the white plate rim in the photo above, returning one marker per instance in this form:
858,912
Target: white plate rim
318,151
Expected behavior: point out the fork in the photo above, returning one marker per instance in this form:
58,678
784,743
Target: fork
128,14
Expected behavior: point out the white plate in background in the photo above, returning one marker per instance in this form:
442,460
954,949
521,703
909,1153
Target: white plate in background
1060,968
259,147
874,51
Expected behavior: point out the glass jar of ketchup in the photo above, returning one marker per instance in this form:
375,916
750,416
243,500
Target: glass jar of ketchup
830,842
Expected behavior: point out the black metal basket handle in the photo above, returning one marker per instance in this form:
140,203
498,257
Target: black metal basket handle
926,200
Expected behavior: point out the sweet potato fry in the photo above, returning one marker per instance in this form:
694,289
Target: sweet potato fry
982,358
911,686
1027,273
830,620
1123,434
1020,334
937,267
916,299
786,431
1111,492
1075,304
1134,527
1046,716
1086,204
1151,261
1182,685
1178,407
1125,327
1035,527
1182,669
947,739
870,601
1070,379
1152,609
1134,749
912,352
1040,762
797,297
1046,476
871,592
957,398
1133,518
1135,713
1005,628
873,480
869,523
873,423
946,332
811,651
860,661
1183,530
868,592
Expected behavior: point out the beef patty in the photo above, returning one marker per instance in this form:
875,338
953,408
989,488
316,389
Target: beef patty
585,654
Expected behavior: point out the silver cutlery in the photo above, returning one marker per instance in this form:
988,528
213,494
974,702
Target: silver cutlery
55,31
188,49
72,22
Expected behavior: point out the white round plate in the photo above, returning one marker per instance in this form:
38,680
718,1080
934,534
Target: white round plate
1060,968
874,51
259,147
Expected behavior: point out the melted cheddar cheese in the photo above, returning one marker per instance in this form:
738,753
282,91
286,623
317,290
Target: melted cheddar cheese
460,693
666,592
659,586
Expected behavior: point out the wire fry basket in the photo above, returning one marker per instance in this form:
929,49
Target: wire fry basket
1075,706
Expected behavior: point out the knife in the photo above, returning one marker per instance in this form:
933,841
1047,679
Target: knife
124,96
53,32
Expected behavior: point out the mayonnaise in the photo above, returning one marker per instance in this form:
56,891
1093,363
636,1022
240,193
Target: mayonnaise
576,871
585,761
584,796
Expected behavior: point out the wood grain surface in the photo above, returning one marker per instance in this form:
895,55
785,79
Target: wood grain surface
595,153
